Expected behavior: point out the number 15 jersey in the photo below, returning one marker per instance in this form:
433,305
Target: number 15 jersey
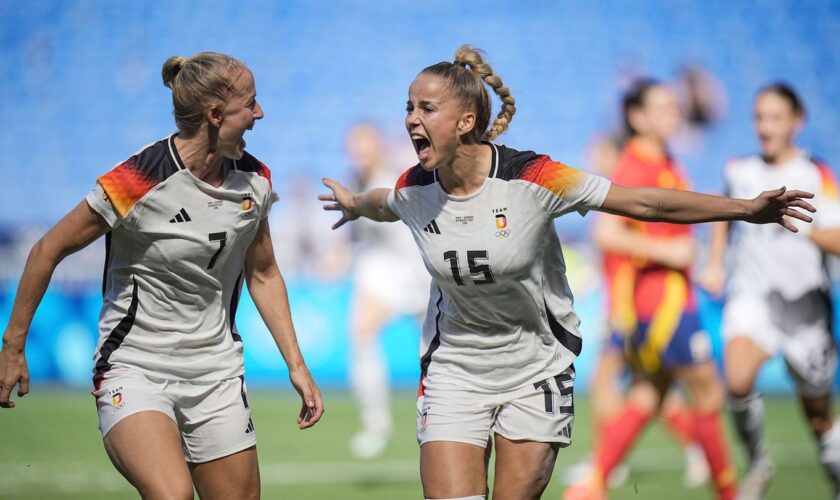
174,264
500,309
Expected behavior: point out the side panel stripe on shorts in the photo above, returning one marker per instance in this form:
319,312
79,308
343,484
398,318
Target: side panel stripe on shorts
234,304
426,360
118,334
569,340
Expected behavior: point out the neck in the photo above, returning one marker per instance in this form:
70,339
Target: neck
200,158
651,146
467,172
785,156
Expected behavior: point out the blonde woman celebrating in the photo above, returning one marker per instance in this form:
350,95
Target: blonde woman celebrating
501,334
185,222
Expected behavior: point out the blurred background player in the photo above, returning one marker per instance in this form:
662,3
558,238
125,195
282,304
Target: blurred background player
608,379
778,288
388,281
652,311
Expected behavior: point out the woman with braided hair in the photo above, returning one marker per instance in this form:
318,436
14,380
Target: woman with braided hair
500,333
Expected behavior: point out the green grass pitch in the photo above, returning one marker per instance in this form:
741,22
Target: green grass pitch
50,449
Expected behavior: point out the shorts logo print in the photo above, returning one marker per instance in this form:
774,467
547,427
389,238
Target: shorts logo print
117,400
423,419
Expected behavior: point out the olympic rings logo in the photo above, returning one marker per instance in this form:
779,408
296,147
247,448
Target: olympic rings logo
504,233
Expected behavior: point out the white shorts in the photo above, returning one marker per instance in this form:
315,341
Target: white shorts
214,418
542,412
800,329
400,283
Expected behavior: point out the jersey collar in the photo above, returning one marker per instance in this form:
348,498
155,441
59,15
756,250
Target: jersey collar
173,152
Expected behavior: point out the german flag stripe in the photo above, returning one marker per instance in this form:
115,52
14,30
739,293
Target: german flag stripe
125,185
556,177
829,188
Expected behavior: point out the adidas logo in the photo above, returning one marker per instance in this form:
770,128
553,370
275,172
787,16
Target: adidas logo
432,227
181,216
250,427
566,432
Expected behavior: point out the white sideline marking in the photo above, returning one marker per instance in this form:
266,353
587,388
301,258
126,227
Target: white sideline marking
75,478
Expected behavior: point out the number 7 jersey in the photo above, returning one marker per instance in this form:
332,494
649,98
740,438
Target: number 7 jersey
500,310
174,263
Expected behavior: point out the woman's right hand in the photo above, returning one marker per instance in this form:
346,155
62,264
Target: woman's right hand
343,201
13,371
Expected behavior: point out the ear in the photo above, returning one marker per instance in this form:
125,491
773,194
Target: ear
214,115
466,123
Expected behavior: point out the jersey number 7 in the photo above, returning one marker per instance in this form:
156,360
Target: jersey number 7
221,238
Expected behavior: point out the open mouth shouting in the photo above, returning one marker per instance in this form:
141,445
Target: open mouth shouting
422,146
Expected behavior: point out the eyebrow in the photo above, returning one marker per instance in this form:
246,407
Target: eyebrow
421,103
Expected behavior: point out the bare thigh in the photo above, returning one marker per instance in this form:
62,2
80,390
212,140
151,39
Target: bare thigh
646,392
704,389
450,469
233,476
523,468
607,394
146,449
742,359
369,315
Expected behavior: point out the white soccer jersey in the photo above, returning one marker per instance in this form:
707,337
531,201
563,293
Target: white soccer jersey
385,238
768,258
500,312
174,263
387,266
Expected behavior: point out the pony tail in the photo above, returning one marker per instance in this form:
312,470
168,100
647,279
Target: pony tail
471,58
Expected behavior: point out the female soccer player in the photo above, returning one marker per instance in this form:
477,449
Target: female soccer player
654,309
388,281
500,332
778,288
185,222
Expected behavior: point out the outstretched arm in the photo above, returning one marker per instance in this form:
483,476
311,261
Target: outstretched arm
372,204
268,289
686,207
72,233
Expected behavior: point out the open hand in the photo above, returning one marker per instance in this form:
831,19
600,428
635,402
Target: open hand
777,205
13,371
343,201
311,407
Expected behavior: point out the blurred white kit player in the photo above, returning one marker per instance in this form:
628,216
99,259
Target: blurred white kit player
778,285
778,297
388,281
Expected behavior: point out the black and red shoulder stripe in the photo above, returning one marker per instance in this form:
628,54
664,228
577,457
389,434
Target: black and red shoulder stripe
129,181
249,163
414,176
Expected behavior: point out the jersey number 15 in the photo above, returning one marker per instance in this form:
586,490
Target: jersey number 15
480,273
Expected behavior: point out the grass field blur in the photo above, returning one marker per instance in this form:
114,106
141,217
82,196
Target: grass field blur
51,449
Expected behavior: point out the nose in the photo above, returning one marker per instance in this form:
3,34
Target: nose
258,112
411,119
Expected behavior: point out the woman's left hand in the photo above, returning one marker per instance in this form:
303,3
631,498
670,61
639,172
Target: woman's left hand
311,407
777,205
